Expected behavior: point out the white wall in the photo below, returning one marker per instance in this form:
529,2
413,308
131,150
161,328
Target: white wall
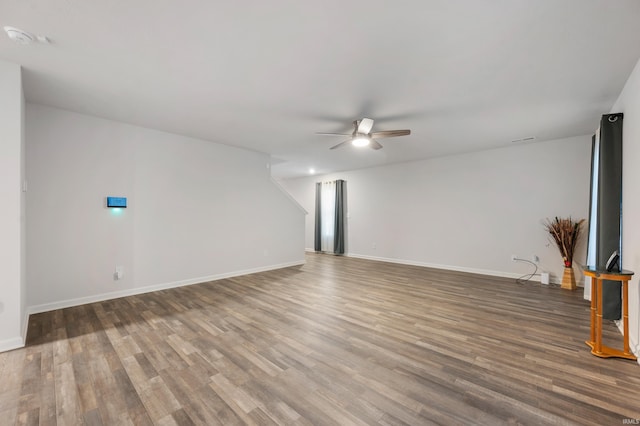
466,212
629,104
11,223
24,316
196,210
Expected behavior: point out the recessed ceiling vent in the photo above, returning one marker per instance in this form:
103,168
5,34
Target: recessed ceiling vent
523,139
24,37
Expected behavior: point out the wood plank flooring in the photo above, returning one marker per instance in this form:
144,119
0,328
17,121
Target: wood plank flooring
338,341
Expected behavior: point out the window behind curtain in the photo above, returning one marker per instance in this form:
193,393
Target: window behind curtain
330,217
327,216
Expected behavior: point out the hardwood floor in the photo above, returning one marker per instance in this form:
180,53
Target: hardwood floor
337,341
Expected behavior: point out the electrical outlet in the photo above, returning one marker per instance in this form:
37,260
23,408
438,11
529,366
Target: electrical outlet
119,273
544,278
373,246
535,258
514,257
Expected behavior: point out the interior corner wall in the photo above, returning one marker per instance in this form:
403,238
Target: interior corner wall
629,104
11,222
466,212
24,314
196,210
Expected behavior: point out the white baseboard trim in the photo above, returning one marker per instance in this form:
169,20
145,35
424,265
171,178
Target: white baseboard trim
439,266
10,344
489,272
16,342
46,307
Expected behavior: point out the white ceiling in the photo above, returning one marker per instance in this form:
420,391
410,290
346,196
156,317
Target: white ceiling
463,75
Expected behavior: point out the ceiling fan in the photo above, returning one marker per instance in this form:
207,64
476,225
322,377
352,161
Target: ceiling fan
362,135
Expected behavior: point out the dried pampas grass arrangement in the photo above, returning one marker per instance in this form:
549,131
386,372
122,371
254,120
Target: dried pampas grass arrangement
565,233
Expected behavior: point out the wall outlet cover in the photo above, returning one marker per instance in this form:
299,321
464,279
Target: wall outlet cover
544,278
119,273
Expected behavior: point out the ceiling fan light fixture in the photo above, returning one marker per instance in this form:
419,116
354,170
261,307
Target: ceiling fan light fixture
362,136
361,141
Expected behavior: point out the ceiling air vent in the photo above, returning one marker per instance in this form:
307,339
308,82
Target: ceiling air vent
523,139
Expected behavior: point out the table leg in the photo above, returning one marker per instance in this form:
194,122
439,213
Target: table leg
594,300
598,348
625,316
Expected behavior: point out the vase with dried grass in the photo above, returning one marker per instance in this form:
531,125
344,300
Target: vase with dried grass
565,233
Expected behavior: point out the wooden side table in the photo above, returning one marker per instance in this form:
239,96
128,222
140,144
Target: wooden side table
597,348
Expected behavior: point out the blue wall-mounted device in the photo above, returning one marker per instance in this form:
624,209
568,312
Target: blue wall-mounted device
117,202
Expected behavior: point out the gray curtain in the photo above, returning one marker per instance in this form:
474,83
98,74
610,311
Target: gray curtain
338,241
607,203
317,243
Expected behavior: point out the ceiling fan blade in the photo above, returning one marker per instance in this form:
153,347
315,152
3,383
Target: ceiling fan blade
375,144
341,144
365,126
390,133
333,134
